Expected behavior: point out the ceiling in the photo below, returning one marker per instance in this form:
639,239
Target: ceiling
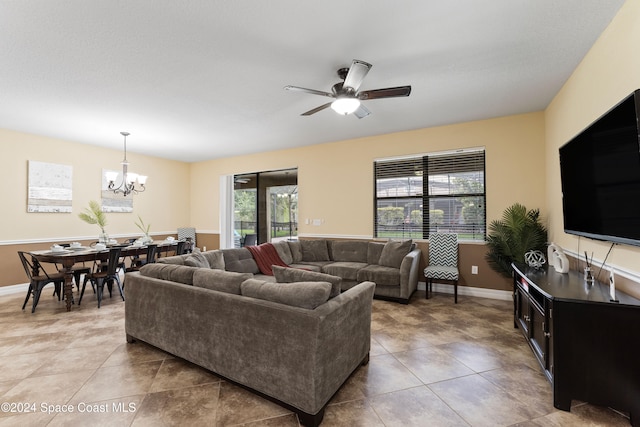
199,79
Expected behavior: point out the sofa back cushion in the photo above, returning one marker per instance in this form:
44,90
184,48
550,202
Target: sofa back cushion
220,280
307,295
284,252
314,250
296,251
348,251
290,275
176,259
394,252
196,259
240,260
215,259
374,250
172,272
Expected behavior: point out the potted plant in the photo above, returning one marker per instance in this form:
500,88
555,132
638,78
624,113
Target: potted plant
94,215
146,238
518,232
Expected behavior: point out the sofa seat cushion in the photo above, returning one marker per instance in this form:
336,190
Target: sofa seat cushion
172,272
348,251
380,274
290,275
239,260
308,267
219,280
307,295
317,265
346,270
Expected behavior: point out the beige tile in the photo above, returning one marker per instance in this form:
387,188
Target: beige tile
383,374
118,381
239,406
137,352
479,402
432,365
475,355
192,406
357,413
177,373
414,407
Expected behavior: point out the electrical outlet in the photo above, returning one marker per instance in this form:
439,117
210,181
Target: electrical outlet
474,269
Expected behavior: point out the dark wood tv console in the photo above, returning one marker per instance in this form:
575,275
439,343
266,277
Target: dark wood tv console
587,345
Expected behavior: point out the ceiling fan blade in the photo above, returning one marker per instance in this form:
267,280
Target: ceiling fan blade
311,91
361,112
389,92
356,74
315,110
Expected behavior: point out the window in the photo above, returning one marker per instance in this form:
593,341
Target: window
454,193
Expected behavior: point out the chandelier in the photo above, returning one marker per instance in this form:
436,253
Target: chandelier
131,182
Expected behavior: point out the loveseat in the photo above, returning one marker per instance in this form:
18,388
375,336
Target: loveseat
289,342
393,266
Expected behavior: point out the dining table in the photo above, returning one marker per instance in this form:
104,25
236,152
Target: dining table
67,257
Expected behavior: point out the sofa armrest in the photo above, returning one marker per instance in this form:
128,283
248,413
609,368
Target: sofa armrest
409,273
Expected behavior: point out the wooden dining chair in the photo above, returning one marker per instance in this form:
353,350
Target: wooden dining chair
40,280
102,275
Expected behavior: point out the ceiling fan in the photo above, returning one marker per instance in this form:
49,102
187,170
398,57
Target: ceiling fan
347,98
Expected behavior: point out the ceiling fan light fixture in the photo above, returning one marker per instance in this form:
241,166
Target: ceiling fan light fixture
345,105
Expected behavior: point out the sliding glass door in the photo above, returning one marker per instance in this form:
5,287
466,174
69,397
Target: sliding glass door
265,207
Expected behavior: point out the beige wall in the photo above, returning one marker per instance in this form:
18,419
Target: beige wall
336,179
608,73
165,205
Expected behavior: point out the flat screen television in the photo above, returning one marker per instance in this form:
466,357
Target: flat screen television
600,174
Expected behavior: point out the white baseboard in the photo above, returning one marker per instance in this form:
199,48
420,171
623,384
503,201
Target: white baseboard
469,291
14,289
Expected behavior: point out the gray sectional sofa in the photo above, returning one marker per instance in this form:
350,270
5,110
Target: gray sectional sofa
295,343
393,266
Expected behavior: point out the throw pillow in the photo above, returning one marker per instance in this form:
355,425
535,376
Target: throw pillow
196,259
307,295
290,275
314,250
296,251
220,280
284,252
374,250
394,252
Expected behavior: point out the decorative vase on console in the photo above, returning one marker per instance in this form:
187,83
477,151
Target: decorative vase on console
103,238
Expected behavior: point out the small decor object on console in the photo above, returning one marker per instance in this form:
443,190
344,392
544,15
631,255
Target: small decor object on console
557,258
535,259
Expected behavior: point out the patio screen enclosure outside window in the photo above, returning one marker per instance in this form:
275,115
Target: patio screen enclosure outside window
450,185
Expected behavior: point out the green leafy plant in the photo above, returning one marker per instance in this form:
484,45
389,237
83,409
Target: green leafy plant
141,225
94,215
516,233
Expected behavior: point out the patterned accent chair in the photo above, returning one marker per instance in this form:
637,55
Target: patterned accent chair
443,261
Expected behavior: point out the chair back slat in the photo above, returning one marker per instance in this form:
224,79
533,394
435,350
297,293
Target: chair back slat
152,250
443,249
114,260
28,267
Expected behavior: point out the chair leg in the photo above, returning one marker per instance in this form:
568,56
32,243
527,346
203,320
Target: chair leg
84,285
99,289
455,292
36,298
120,287
28,295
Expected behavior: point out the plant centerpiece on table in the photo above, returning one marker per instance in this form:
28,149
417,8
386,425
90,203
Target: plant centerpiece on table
94,215
146,238
510,238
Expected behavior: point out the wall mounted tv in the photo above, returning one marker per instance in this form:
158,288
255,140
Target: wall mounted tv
600,173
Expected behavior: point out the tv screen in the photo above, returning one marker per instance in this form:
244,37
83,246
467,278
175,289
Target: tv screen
600,173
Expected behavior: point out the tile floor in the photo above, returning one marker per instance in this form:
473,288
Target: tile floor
432,363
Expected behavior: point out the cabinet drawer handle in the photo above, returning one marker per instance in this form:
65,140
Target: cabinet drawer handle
547,334
526,318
